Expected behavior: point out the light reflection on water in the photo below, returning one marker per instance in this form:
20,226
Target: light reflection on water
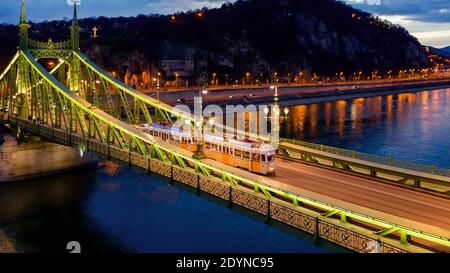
412,126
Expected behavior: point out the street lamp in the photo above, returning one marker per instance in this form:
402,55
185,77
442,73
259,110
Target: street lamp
214,79
158,85
212,122
176,78
247,77
276,109
200,123
273,87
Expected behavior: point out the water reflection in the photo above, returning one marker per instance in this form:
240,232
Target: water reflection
412,126
42,215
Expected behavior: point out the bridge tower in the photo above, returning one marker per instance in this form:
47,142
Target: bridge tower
23,28
75,30
22,73
74,72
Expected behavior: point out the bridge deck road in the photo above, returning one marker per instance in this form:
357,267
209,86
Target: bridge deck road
364,192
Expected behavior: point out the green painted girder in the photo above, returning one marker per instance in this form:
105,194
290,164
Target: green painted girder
344,165
82,122
137,112
403,233
403,180
147,100
179,161
307,156
119,138
108,97
387,231
63,108
125,105
226,177
343,215
100,131
266,192
56,68
203,169
147,116
330,213
156,151
49,103
9,66
258,188
284,152
141,146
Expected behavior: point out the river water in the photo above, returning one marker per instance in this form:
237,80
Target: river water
117,208
411,126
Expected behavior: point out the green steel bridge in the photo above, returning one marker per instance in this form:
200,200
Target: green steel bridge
73,105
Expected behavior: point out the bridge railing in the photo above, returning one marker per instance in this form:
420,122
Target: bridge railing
372,158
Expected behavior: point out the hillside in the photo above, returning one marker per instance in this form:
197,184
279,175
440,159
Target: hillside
441,52
446,49
288,36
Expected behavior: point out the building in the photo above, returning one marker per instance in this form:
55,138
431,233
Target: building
182,68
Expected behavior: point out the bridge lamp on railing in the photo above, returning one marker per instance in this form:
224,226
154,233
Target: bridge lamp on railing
266,111
276,108
286,114
200,154
212,122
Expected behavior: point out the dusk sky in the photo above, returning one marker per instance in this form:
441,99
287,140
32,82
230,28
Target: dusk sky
428,20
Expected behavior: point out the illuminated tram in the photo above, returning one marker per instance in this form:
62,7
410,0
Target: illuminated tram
250,155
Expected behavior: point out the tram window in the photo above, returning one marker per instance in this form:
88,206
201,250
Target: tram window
207,145
269,158
256,157
237,153
231,151
246,155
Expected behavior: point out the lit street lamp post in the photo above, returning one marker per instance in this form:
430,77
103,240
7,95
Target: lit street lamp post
275,117
200,123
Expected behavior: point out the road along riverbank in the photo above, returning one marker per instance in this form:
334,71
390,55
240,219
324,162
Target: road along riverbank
294,95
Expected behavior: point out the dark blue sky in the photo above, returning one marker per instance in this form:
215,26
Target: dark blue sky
429,20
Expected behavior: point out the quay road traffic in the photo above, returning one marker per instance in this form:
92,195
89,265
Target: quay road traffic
247,94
